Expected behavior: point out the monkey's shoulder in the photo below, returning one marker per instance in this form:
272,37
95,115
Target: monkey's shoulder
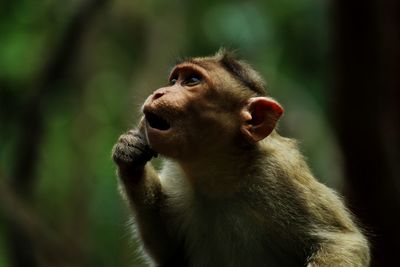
308,198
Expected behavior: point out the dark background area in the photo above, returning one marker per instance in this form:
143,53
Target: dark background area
74,73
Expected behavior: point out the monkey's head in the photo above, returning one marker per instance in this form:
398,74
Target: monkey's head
210,104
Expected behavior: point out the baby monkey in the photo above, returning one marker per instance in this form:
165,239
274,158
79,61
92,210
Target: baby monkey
232,191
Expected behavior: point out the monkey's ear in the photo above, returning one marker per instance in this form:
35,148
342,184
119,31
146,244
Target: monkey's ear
259,118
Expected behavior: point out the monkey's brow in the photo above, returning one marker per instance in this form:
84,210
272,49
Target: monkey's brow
193,61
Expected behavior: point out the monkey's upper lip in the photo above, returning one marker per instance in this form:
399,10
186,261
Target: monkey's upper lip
156,121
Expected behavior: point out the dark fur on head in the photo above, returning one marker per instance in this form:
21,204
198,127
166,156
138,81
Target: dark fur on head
242,71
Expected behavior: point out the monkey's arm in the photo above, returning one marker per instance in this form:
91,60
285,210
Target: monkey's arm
349,249
141,187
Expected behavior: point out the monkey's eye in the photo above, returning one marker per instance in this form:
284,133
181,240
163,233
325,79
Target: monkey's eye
192,80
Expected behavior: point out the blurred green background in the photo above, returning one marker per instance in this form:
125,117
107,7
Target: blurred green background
74,73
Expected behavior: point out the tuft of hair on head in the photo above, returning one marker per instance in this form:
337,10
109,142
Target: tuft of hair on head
241,70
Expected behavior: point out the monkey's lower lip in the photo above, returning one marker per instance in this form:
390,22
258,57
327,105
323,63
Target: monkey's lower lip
156,122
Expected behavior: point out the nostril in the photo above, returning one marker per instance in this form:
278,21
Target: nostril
157,95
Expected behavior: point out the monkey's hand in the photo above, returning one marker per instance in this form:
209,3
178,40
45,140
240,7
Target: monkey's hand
131,153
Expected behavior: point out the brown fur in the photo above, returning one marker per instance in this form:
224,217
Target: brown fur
232,191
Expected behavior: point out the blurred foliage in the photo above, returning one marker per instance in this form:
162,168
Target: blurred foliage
125,52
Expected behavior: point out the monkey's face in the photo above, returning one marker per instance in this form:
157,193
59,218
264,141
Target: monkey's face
189,117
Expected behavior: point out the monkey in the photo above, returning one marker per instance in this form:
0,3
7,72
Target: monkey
231,190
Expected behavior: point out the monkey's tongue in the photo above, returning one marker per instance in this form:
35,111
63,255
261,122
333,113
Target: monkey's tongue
157,122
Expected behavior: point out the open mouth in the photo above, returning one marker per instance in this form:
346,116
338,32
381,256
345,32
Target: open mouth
157,122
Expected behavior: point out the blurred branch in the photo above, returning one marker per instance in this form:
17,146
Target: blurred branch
53,246
32,124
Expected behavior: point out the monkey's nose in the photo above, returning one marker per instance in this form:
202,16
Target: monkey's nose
157,95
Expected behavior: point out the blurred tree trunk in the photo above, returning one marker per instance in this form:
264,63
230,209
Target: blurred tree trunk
366,106
31,125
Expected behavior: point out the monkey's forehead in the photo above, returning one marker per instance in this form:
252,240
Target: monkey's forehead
207,63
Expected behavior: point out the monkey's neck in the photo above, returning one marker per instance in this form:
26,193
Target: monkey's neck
221,174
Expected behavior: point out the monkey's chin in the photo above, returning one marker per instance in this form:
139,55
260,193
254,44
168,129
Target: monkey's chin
160,141
157,136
